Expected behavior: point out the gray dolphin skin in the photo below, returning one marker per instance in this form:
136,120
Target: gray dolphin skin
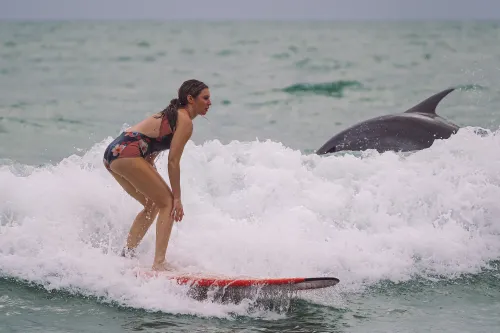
415,129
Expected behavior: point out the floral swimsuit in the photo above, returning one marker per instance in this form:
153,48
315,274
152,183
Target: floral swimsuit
135,144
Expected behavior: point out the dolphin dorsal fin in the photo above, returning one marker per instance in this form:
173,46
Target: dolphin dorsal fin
430,104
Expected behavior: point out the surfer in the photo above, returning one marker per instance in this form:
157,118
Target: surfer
130,159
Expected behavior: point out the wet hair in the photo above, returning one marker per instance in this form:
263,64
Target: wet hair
189,87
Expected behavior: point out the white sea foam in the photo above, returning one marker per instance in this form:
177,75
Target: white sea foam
259,209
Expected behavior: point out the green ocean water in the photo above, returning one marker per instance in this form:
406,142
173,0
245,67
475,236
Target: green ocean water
413,238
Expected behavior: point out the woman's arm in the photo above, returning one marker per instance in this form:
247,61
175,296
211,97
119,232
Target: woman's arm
181,136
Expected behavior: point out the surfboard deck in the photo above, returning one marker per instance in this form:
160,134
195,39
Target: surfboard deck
206,280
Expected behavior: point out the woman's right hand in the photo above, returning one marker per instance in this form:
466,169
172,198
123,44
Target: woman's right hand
177,210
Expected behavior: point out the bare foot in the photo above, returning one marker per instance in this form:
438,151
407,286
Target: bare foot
164,267
128,253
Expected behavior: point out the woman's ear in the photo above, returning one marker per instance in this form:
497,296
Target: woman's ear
190,99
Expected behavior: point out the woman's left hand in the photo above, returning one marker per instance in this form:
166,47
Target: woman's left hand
177,210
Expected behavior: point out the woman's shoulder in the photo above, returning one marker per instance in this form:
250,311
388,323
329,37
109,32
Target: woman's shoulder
184,122
184,114
184,117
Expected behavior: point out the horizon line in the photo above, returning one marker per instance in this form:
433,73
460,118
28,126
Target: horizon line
205,20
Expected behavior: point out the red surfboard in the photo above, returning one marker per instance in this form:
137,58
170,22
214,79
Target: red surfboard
200,280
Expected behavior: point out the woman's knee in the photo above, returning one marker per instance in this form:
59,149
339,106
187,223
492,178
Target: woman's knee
150,208
149,204
165,201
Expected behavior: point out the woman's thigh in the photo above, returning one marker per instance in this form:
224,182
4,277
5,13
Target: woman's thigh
143,177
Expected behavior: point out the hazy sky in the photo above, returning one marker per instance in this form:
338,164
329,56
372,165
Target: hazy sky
252,9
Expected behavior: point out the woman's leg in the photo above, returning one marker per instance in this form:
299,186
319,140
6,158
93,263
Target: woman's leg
145,217
146,180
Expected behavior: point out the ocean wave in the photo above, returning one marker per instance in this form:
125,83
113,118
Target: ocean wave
331,89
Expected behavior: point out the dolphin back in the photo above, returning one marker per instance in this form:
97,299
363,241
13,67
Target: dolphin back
414,129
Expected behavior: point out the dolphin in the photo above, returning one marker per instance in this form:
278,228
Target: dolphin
414,129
